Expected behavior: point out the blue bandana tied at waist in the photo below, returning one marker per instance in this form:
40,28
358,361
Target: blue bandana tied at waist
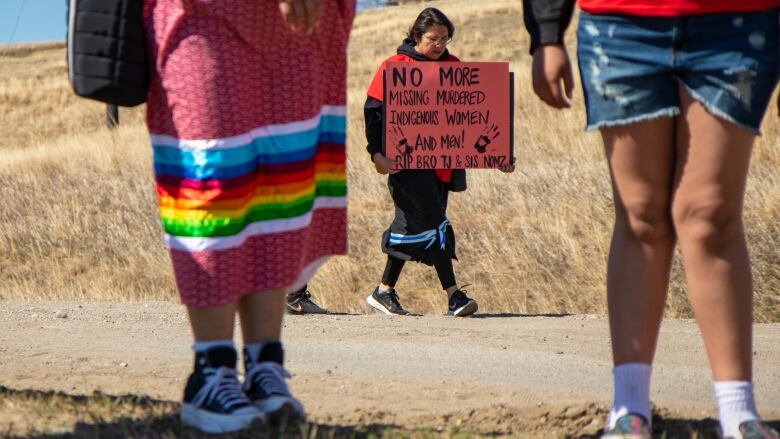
428,235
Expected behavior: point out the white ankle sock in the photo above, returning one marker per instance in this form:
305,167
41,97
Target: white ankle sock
632,392
736,404
202,346
254,350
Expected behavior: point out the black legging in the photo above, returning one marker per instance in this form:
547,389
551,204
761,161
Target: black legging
441,261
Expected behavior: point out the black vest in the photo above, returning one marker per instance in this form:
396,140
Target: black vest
107,58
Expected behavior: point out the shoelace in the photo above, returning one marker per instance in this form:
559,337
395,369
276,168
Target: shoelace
394,298
460,296
270,377
305,297
221,385
300,297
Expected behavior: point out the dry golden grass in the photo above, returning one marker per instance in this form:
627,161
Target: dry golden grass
80,221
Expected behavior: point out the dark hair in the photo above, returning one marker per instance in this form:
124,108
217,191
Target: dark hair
427,18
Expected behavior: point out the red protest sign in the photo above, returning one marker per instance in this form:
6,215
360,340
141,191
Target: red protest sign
448,115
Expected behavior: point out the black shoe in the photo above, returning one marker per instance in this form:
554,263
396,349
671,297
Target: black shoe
300,302
461,305
265,385
386,302
213,400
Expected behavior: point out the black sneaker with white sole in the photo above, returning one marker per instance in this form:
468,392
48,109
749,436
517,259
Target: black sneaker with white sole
213,400
386,302
300,302
461,305
266,387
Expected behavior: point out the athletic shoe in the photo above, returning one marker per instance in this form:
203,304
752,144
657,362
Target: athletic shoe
386,302
755,430
300,302
213,400
266,387
461,305
630,426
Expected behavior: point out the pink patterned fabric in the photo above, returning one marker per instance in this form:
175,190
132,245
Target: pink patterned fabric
227,70
238,267
226,67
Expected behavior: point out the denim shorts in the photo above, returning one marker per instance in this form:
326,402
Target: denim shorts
631,66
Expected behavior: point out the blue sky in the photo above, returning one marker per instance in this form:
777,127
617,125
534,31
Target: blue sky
43,20
39,20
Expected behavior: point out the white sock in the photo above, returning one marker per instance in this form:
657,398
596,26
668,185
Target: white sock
203,346
632,392
254,350
736,405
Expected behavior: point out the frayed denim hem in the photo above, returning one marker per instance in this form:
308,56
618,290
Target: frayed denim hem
718,112
665,112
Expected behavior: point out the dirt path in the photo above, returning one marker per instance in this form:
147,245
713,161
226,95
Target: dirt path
493,373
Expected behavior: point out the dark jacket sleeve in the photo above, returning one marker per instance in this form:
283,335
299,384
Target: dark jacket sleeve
373,112
547,20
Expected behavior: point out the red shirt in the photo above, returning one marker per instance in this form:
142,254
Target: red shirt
377,91
674,8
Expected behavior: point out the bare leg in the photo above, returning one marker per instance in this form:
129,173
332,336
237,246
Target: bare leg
212,323
261,318
261,315
641,160
707,211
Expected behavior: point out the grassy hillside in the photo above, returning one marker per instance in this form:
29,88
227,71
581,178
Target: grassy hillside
80,221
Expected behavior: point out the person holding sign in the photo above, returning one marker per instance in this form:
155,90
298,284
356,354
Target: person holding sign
247,116
678,90
420,230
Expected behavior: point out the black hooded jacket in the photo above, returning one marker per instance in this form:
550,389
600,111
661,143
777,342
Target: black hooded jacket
547,20
373,110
